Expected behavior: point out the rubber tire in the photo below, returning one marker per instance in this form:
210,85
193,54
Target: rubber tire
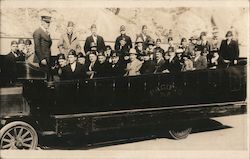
174,133
20,123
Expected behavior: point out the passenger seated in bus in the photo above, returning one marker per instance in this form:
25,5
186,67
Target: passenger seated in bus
199,62
159,61
81,58
139,46
173,63
20,51
117,66
92,64
215,61
107,53
73,70
103,69
30,53
192,45
59,64
9,68
133,67
187,64
148,65
170,43
179,53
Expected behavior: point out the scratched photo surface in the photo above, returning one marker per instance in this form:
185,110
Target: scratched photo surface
124,79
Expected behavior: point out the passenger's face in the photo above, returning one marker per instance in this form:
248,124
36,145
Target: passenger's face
132,57
194,41
166,56
158,55
203,38
171,42
92,58
171,53
28,47
93,31
81,60
184,43
150,46
101,59
72,59
21,46
70,29
14,47
139,44
62,62
115,59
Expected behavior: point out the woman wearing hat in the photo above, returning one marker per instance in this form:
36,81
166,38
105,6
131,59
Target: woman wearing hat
133,67
229,49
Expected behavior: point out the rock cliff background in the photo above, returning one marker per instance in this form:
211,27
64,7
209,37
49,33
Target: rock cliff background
180,21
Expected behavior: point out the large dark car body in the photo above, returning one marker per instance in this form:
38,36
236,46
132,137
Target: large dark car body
99,104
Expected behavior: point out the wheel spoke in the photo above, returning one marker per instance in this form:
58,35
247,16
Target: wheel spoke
20,132
27,139
26,145
6,146
7,140
12,137
24,135
15,132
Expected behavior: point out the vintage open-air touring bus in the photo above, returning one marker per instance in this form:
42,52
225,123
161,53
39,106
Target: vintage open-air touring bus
35,107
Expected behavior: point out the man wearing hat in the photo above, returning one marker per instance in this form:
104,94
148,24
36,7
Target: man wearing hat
133,67
173,63
139,46
103,68
158,45
123,42
199,61
43,44
144,36
69,40
97,39
215,41
148,65
91,64
60,63
159,61
229,49
74,70
215,61
117,66
192,45
9,68
150,48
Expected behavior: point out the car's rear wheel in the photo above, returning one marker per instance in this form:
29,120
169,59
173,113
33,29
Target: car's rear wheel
180,133
18,135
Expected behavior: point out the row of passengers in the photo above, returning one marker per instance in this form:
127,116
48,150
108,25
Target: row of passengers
98,66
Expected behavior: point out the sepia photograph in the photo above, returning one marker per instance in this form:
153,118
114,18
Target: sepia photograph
124,79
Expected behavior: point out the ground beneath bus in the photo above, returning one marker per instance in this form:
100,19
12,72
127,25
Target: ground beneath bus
223,133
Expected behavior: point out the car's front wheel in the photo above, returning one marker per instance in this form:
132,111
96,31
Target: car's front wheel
18,135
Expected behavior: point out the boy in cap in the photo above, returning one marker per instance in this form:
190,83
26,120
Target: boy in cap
133,67
144,36
229,49
123,43
97,39
69,40
43,42
73,70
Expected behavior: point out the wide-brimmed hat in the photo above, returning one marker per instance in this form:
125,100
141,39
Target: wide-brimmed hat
139,40
81,55
46,18
72,52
